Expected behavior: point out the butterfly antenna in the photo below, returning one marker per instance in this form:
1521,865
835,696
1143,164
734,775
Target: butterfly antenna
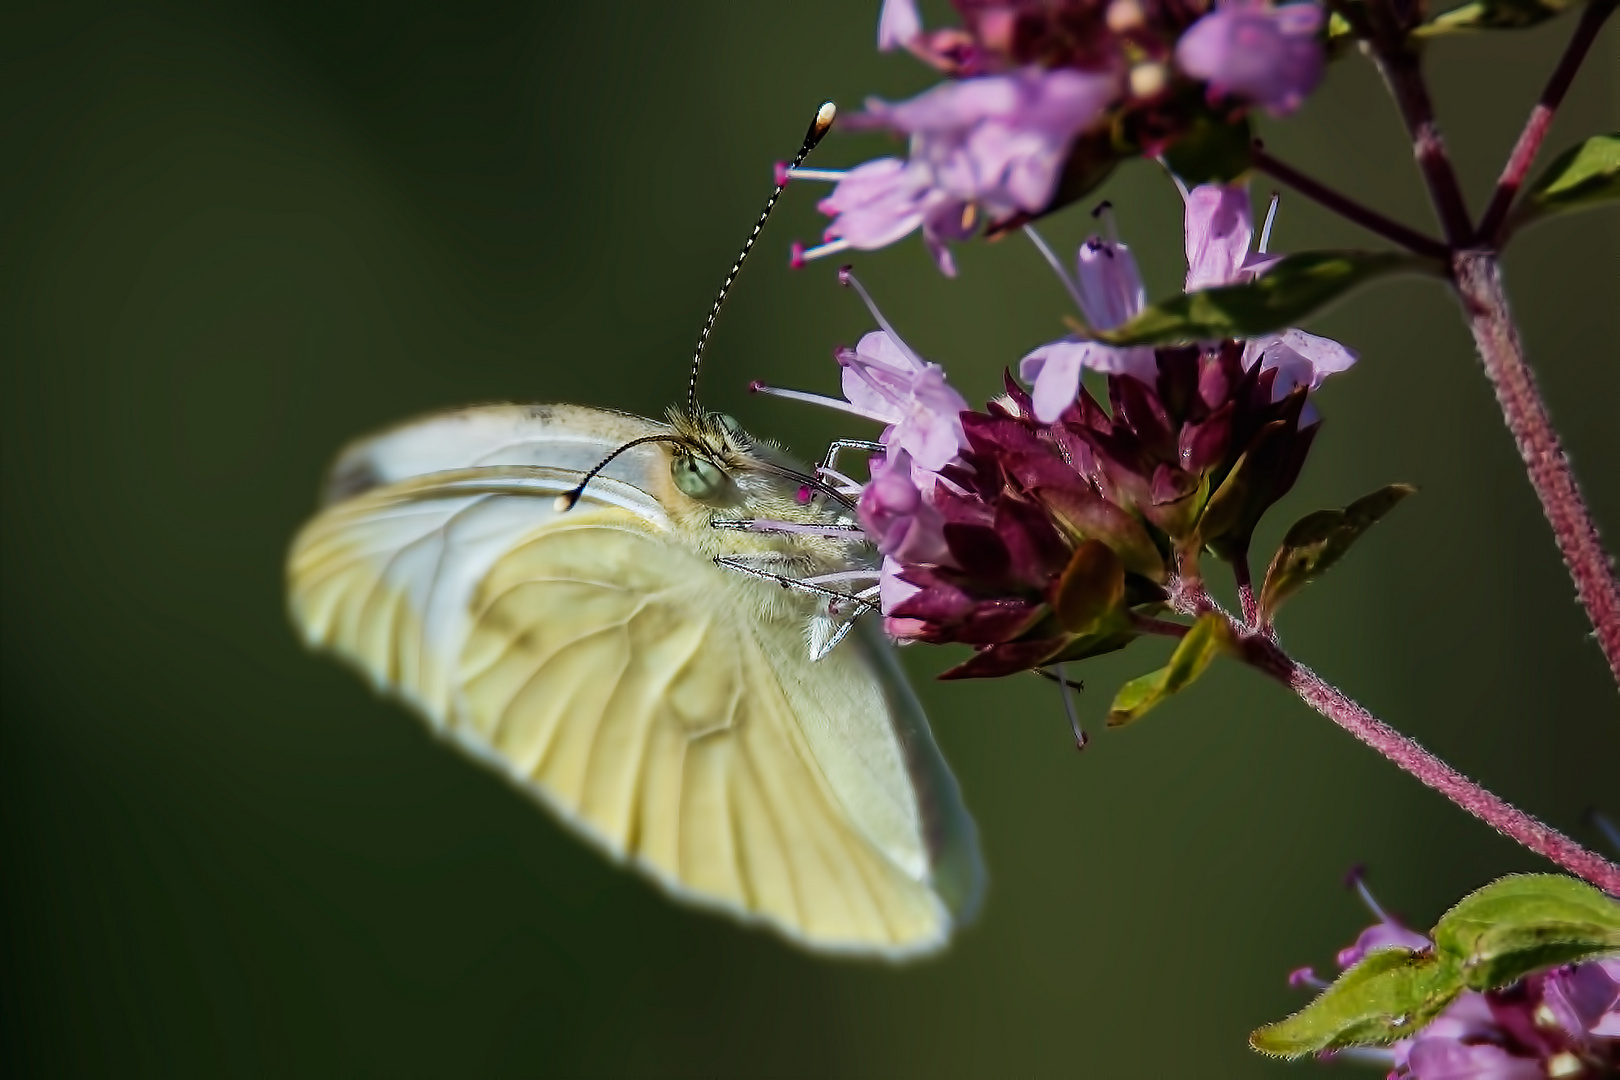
567,499
818,127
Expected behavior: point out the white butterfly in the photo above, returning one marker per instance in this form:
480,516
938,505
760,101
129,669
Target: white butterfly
667,707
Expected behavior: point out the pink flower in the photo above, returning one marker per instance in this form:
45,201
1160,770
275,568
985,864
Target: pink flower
1249,49
897,514
898,24
1585,998
993,144
1220,228
1299,359
886,381
879,202
1109,290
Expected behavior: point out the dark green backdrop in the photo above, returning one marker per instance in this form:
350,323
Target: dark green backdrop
237,235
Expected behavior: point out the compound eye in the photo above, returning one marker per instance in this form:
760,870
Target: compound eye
729,422
699,479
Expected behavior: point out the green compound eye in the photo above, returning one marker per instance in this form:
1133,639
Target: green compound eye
699,479
729,422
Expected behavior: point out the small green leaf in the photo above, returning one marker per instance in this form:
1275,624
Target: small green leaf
1525,923
1211,151
1281,297
1091,588
1492,15
1387,996
1582,176
1208,636
1316,541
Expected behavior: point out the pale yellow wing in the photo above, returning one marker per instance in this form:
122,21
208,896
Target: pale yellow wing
661,705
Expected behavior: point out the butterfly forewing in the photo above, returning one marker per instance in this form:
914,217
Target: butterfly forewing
665,707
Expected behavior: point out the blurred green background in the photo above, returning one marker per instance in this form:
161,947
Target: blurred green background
237,235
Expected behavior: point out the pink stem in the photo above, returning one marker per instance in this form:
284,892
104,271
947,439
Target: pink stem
1492,226
1479,283
1501,815
1264,654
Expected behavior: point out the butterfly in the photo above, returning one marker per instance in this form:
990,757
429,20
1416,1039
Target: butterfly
584,601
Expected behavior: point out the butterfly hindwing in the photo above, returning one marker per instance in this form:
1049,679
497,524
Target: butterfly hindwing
665,707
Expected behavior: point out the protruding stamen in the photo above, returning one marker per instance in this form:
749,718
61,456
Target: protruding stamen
1069,709
1607,828
1306,977
758,387
827,472
1054,262
1104,212
802,254
846,277
1265,230
830,176
1355,880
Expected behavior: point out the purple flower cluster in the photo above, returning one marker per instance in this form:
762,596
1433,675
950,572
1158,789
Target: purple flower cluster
1041,529
1033,84
1564,1022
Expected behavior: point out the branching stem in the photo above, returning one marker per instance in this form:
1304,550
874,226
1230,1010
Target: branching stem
1265,655
1493,226
1346,207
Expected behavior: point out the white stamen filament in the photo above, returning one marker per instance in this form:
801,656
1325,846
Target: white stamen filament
1055,263
831,176
824,250
818,399
884,392
1372,905
1105,214
1069,709
846,485
1271,215
849,277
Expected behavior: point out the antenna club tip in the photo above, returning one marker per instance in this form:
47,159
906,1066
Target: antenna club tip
796,259
565,502
826,114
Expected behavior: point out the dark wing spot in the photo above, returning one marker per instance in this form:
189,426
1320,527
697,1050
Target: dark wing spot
350,477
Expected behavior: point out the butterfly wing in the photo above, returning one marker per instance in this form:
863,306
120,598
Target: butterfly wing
662,706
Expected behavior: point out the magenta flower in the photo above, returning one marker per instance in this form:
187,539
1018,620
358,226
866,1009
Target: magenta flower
884,380
1585,998
896,513
1248,49
992,145
1220,228
1108,287
898,24
1553,1023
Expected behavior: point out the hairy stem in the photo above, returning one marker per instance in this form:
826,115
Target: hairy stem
1479,283
1265,655
1492,227
1345,206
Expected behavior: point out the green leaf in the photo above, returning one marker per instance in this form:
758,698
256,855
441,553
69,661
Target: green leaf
1525,923
1316,541
1387,996
1208,636
1211,151
1585,175
1281,297
1492,15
